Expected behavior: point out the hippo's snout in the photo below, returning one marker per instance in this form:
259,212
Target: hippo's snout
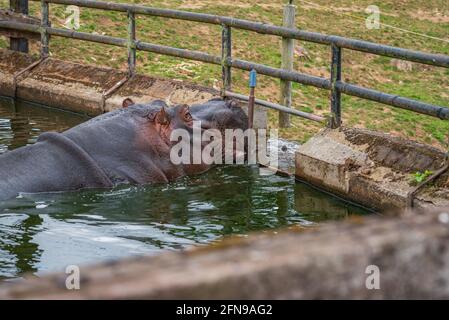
220,114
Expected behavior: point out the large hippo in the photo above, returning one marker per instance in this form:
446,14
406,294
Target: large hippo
130,145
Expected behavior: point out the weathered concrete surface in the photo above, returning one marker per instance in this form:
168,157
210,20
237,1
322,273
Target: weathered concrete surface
411,252
9,65
143,89
80,88
371,168
68,86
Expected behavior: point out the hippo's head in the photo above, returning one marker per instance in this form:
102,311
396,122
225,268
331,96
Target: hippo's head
215,114
220,114
167,119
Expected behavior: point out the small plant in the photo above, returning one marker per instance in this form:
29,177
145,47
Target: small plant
419,177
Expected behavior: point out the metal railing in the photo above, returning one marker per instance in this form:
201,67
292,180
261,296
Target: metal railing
337,44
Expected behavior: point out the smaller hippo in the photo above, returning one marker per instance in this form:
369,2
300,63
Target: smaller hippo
126,146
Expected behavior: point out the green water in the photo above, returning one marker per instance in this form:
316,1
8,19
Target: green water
40,233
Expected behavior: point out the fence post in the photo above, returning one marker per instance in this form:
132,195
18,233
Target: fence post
19,44
131,43
44,34
335,120
226,56
287,64
252,98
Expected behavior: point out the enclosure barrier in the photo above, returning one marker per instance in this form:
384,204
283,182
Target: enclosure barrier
337,44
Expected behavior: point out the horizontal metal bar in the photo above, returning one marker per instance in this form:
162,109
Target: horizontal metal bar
276,106
6,24
65,33
281,73
176,52
394,100
119,42
439,60
353,44
404,103
181,53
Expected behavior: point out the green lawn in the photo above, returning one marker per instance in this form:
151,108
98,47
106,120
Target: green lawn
346,18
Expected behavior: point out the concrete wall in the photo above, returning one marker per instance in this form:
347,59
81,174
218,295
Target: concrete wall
411,252
371,168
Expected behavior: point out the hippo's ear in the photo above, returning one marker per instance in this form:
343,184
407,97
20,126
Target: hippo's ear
185,113
232,104
162,117
127,102
184,109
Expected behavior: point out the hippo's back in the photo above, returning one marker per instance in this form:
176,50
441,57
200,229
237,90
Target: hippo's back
53,163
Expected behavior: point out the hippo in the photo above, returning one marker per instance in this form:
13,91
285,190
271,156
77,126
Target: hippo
130,145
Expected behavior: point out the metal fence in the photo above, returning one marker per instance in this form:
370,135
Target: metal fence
336,43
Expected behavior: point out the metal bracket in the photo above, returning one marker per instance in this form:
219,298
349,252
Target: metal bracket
23,74
107,94
436,174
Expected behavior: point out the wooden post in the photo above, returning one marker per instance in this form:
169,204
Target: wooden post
335,121
19,44
45,21
131,43
287,64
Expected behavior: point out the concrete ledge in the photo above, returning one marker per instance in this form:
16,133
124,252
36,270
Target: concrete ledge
68,86
325,161
370,168
10,63
143,89
412,254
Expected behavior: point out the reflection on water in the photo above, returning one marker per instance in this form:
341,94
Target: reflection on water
47,232
21,124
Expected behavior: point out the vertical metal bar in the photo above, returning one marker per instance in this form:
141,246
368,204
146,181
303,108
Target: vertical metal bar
19,44
335,120
226,56
252,98
45,22
287,64
131,43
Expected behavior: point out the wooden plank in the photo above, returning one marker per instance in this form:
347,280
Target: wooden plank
287,64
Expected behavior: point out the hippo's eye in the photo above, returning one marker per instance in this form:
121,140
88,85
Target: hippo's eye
188,116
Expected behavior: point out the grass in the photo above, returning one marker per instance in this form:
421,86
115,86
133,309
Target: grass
346,18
